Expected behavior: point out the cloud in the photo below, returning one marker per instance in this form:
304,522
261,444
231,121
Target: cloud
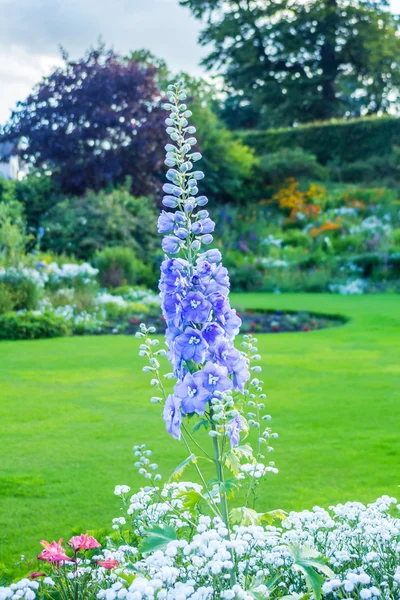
31,33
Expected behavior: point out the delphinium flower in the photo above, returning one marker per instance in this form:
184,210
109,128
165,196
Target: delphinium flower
194,285
213,380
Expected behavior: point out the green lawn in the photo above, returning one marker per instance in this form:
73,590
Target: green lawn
72,408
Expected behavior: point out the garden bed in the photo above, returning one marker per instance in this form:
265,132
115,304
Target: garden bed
253,321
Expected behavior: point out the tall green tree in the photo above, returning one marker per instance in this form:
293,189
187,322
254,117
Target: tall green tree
299,61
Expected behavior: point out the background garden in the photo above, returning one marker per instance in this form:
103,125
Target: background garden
301,150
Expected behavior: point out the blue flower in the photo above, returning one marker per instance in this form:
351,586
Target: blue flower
171,244
240,374
235,427
215,379
166,222
196,308
224,353
173,416
190,345
211,332
192,394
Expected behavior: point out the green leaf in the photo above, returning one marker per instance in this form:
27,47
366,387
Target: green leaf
234,456
228,488
309,562
180,468
202,423
244,516
190,499
245,451
157,538
232,462
273,515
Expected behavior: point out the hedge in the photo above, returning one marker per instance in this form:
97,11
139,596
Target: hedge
338,141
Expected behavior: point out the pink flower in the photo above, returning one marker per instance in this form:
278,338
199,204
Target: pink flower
54,552
36,574
83,542
108,563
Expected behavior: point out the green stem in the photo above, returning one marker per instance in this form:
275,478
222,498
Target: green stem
224,502
220,477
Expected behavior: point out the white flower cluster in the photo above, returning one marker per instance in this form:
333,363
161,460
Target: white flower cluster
361,544
24,589
85,271
351,288
14,274
106,298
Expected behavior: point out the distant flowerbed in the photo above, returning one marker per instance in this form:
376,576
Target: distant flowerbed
49,300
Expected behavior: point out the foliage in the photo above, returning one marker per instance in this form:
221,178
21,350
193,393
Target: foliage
13,239
30,326
290,162
81,226
21,287
93,122
228,162
120,266
337,142
37,194
301,62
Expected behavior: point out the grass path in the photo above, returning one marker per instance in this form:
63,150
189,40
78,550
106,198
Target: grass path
71,409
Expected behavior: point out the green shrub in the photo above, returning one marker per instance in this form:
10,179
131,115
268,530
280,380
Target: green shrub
290,162
23,288
227,162
38,194
337,141
13,239
383,168
81,226
120,266
30,326
6,298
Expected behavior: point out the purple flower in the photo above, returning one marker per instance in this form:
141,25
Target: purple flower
231,322
215,379
171,307
220,304
196,308
171,244
240,374
173,416
191,345
192,394
219,281
211,332
212,256
166,222
224,353
234,432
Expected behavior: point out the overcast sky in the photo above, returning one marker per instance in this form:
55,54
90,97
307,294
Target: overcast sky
31,32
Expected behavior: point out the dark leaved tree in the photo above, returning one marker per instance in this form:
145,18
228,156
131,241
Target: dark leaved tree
302,61
92,123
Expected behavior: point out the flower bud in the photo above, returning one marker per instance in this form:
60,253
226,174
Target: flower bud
202,200
195,245
207,239
170,201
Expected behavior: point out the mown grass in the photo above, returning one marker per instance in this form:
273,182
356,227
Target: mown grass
71,409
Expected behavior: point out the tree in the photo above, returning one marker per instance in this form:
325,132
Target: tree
92,123
303,61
